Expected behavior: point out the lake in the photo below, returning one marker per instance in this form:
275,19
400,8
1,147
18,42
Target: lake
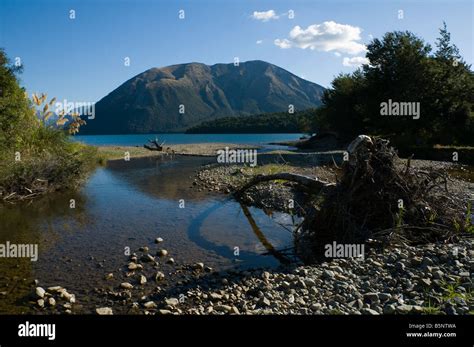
174,139
128,205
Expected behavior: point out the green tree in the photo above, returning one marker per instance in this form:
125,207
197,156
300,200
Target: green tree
453,82
343,106
398,71
403,69
446,50
16,116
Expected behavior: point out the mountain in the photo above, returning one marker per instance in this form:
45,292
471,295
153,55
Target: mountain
150,102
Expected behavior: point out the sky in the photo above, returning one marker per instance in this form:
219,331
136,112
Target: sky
82,50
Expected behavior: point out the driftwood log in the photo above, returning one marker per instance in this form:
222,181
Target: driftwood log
155,145
309,183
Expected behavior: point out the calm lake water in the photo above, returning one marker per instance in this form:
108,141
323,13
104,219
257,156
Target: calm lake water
129,204
173,139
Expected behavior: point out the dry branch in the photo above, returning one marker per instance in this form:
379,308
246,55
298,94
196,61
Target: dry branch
155,145
309,183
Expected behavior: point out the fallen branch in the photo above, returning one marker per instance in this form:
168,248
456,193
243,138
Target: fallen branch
308,182
155,145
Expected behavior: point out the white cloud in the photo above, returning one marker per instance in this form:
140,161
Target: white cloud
284,44
265,16
259,42
327,36
337,54
354,61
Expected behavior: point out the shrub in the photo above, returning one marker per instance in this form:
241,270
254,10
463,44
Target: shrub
36,155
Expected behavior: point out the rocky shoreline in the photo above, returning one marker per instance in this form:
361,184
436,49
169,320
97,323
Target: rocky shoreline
433,279
429,279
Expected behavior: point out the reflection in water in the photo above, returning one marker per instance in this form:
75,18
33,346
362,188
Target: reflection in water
271,250
170,179
194,234
162,177
225,250
21,224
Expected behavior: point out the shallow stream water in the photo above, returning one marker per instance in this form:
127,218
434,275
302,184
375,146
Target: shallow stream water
130,204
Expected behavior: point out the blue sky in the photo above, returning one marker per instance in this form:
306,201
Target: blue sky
82,59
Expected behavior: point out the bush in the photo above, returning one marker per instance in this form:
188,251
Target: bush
36,156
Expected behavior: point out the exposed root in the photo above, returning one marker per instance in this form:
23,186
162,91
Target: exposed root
378,199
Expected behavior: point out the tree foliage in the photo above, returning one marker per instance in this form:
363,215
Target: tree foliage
403,68
16,117
279,122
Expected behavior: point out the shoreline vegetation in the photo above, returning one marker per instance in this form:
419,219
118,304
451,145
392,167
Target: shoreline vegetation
36,154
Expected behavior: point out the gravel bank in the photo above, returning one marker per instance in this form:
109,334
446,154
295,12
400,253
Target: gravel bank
429,279
433,279
268,195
